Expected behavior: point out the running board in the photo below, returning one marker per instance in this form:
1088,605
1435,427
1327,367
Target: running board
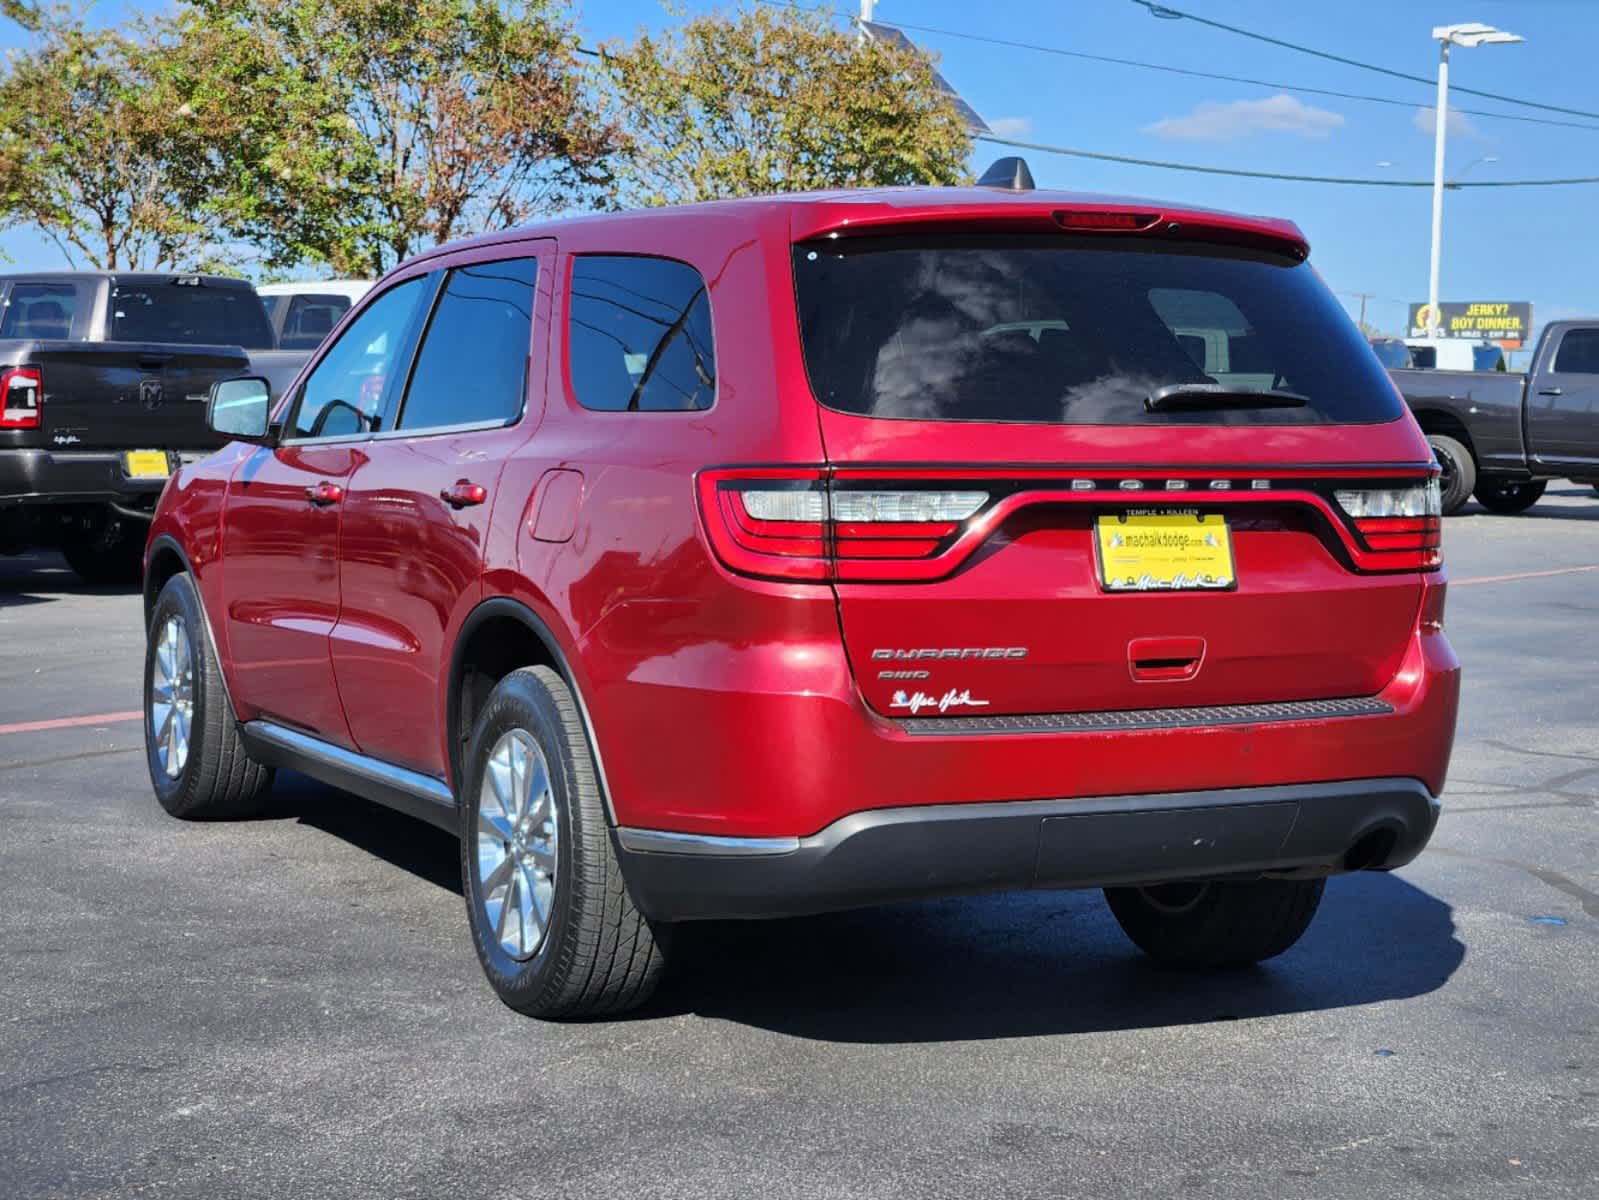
410,792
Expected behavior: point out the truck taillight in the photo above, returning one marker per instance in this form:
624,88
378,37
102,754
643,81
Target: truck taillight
21,398
786,524
1402,526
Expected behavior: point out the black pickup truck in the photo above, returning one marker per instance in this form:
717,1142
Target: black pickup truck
103,384
1503,437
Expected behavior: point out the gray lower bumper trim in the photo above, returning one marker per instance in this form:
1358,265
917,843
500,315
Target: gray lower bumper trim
1152,718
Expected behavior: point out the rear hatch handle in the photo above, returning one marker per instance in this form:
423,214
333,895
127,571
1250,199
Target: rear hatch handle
1164,659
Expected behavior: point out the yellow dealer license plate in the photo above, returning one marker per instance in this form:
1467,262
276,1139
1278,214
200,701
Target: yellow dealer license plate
1164,551
145,464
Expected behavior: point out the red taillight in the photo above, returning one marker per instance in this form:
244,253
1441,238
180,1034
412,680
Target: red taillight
1402,526
21,398
1124,221
787,524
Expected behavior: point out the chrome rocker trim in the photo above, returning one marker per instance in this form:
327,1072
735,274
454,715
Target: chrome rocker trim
410,792
661,841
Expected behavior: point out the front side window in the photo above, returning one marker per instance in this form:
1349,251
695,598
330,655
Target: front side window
639,335
1579,352
39,310
345,394
1077,331
473,364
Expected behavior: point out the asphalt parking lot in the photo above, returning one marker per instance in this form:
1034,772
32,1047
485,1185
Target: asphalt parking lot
289,1007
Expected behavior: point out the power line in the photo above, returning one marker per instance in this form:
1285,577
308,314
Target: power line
1171,70
1166,68
1351,181
1162,10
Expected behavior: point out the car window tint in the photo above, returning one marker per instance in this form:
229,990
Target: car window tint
39,310
1074,330
639,335
189,313
1579,352
344,395
473,364
309,319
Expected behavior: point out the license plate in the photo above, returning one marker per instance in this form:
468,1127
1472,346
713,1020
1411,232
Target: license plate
145,464
1164,551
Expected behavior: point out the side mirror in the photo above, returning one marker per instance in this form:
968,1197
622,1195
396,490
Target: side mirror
241,410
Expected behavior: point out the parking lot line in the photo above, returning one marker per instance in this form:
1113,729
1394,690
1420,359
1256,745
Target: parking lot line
71,722
1454,583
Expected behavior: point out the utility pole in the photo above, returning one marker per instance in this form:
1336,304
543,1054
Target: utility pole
866,9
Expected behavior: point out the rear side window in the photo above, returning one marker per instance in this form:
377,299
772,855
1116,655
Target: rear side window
639,335
1068,331
39,310
473,364
190,314
1579,352
308,319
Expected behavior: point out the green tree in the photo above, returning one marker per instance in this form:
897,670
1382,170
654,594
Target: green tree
357,132
93,151
758,101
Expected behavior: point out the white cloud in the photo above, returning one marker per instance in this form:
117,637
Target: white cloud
1012,127
1426,120
1216,122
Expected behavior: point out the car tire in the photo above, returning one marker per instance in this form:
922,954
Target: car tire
550,915
1459,471
198,765
1509,496
1203,926
110,559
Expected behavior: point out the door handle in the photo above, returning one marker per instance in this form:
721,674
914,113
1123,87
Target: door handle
324,494
1551,392
463,494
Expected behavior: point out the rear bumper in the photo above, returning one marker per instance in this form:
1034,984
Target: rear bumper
38,476
898,854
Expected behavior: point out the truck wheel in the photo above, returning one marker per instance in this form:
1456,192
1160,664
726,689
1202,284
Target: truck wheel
1198,926
1458,471
198,765
554,926
1509,496
107,559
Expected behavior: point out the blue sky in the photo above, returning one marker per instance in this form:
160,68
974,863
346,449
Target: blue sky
1503,244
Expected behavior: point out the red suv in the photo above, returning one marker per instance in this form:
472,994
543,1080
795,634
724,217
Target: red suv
777,556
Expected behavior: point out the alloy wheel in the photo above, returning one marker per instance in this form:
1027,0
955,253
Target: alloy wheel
172,696
516,845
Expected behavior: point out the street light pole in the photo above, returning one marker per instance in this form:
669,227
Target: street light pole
1447,36
1441,122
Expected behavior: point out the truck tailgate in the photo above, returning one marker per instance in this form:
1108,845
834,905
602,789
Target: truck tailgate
125,395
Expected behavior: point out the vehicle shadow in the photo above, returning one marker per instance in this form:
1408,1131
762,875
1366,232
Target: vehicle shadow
1587,508
1045,963
39,578
978,967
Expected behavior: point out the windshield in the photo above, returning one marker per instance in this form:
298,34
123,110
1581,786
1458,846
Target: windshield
189,314
1070,330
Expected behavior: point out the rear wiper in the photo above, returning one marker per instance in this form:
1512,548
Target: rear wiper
1197,397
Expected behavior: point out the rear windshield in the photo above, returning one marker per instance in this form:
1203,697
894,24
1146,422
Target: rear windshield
189,314
1070,331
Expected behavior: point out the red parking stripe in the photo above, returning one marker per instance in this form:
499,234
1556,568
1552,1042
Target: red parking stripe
71,722
1454,583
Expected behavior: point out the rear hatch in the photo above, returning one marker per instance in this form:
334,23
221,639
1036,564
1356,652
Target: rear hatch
1099,471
